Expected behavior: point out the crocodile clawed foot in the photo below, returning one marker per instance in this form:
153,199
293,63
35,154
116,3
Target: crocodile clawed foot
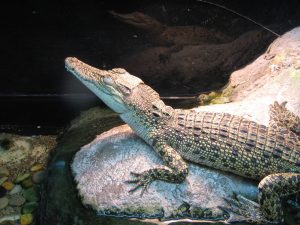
142,180
241,209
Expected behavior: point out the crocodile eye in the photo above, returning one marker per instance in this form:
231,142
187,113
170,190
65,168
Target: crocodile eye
108,80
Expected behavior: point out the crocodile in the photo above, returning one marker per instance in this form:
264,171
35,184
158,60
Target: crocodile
163,35
269,154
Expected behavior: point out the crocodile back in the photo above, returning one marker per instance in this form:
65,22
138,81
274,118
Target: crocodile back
233,143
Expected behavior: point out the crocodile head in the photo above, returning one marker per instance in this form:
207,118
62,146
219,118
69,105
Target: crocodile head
139,20
113,87
118,89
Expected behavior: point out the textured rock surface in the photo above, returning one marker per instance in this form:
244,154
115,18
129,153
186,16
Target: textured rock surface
102,167
279,64
60,203
274,76
19,153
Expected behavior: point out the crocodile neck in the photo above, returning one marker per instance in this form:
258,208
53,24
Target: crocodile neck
147,113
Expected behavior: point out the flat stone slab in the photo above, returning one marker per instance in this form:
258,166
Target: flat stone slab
102,167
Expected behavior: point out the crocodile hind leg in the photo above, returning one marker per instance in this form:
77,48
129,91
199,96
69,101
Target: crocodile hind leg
274,187
271,191
280,116
175,171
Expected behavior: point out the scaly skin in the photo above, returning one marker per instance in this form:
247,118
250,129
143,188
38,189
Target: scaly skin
227,142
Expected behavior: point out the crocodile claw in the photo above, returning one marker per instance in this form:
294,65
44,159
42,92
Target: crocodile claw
241,209
142,180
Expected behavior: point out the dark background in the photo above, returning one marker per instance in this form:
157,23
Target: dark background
38,96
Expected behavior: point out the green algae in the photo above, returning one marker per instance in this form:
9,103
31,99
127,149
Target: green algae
137,212
213,98
294,74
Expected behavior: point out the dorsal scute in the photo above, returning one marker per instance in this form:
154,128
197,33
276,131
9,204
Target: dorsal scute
123,78
148,92
144,98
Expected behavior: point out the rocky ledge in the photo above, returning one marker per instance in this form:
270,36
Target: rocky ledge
102,167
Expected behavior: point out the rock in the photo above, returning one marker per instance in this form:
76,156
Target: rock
31,194
24,151
38,177
22,177
27,183
17,189
8,185
12,217
60,203
16,200
281,58
3,202
190,68
10,210
274,76
26,219
102,167
4,172
3,179
29,207
3,191
37,167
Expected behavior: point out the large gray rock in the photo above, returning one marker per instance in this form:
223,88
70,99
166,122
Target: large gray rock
102,167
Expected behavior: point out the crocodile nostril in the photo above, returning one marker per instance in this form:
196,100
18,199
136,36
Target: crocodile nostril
71,62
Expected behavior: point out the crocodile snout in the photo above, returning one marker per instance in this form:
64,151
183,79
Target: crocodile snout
71,62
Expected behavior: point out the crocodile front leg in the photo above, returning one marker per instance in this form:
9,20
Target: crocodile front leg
175,170
271,191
